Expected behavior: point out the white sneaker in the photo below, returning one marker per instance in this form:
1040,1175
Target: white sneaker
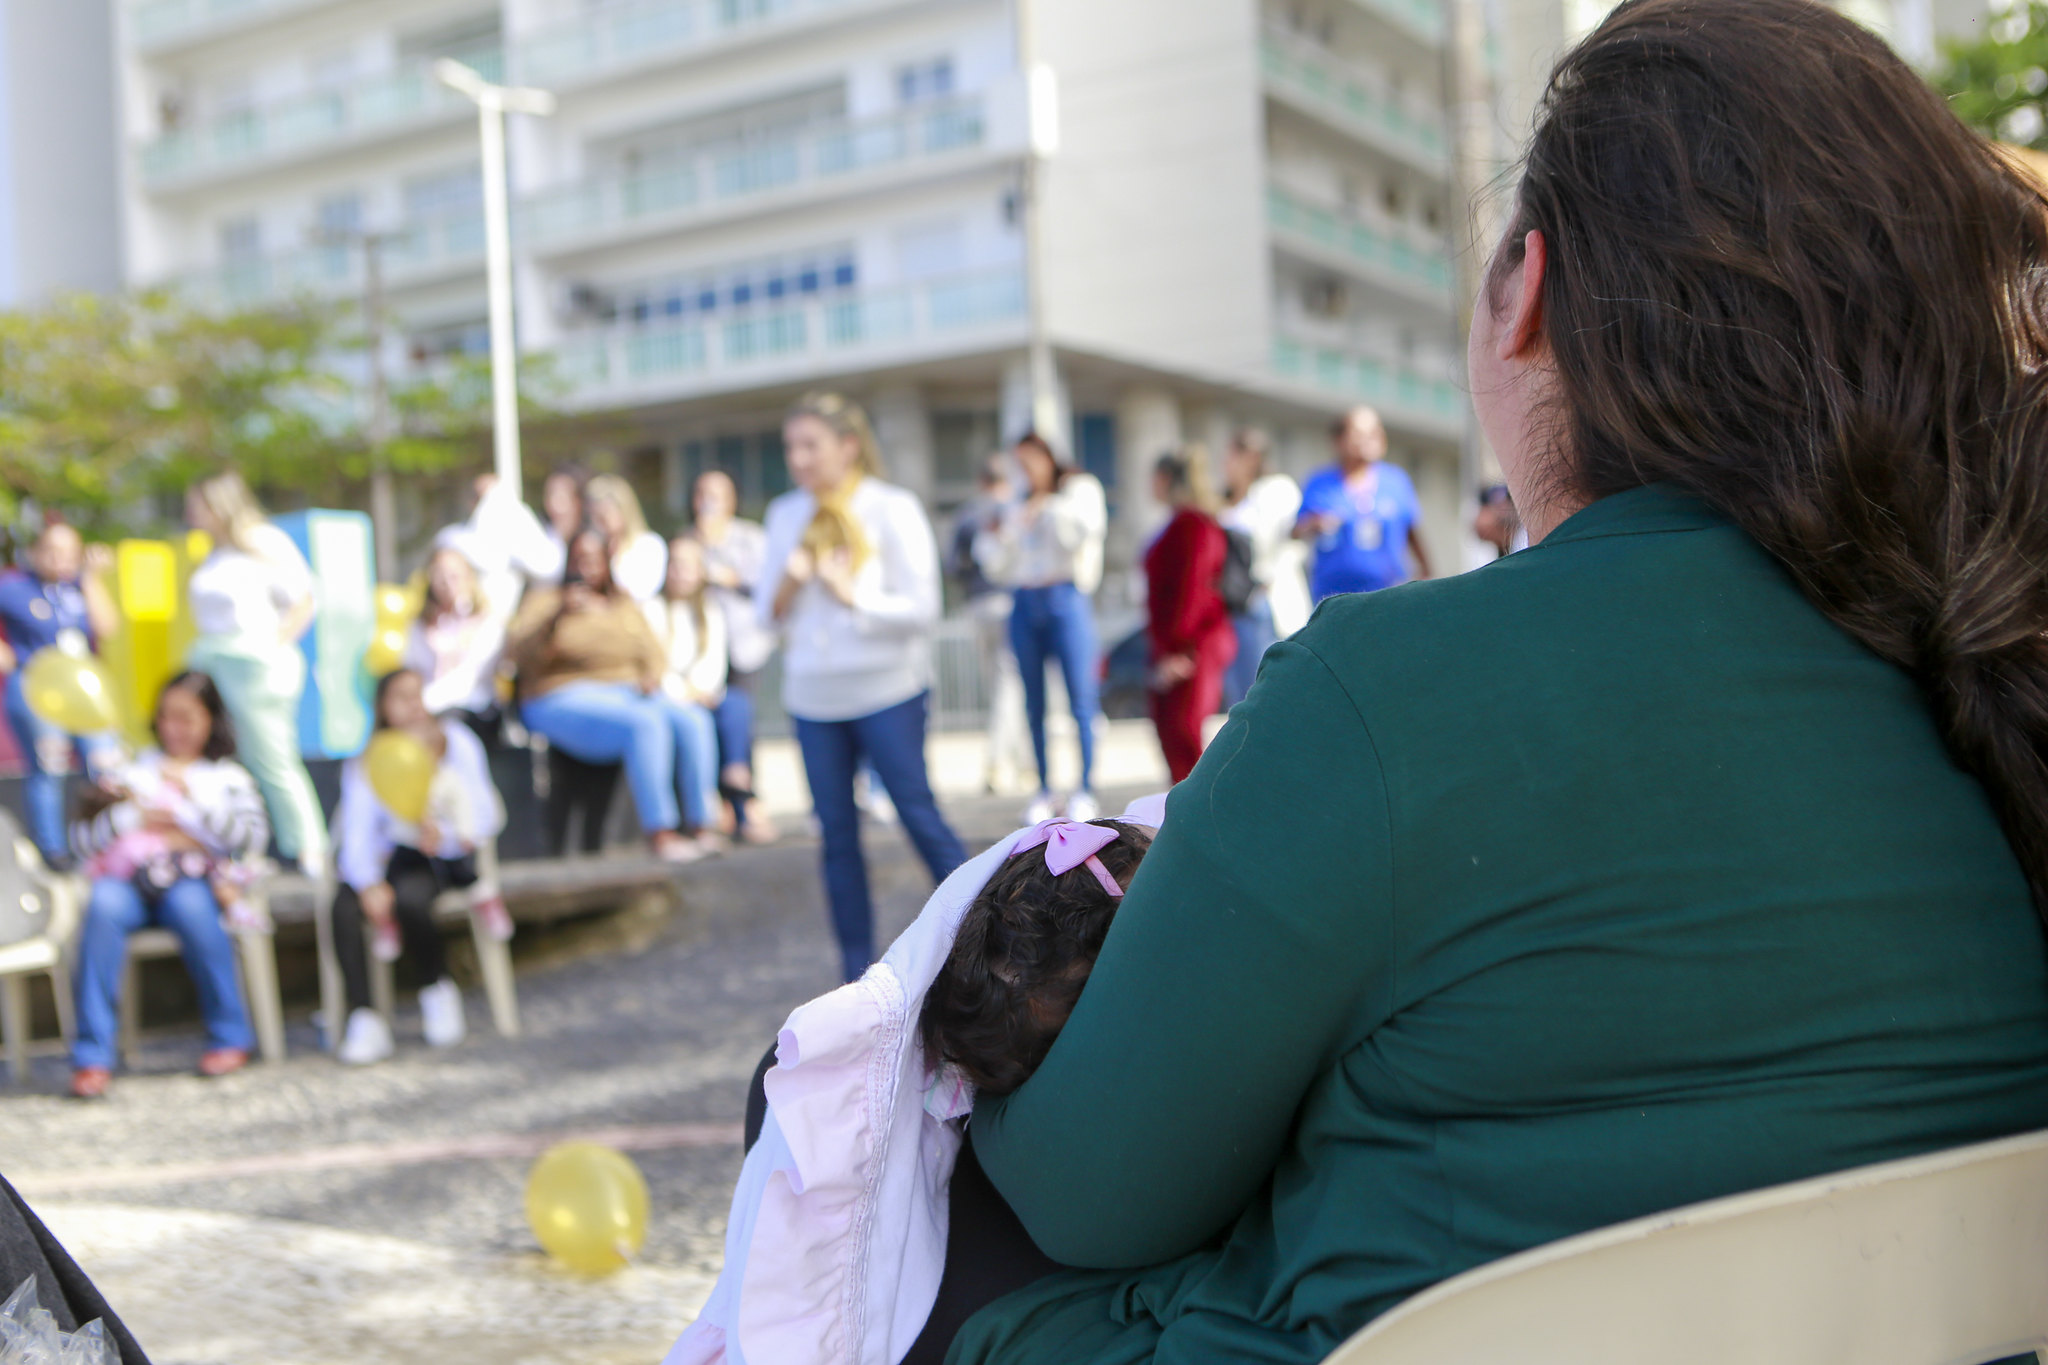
1083,806
1041,808
366,1040
441,1014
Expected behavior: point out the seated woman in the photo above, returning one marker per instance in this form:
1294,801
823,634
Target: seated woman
1698,847
391,870
455,645
691,629
170,840
590,675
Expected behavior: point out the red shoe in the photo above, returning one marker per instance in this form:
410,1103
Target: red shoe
223,1061
91,1082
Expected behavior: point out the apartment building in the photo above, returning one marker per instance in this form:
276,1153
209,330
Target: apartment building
1248,217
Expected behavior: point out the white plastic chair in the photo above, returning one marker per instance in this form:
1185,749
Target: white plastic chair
1935,1260
493,955
255,959
56,900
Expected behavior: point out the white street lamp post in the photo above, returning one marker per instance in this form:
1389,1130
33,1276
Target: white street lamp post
493,102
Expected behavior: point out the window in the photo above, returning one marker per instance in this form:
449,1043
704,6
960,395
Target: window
339,215
925,81
241,239
458,191
1095,444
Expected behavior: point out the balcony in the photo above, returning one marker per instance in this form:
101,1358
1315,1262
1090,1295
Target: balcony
794,340
1388,254
426,250
160,25
1405,394
1422,20
762,172
377,106
613,40
1354,101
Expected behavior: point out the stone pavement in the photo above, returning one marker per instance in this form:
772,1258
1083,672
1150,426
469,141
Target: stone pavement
308,1214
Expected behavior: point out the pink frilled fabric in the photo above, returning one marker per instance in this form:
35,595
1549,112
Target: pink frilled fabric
837,1237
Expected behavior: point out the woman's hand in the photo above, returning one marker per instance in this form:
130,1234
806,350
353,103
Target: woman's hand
99,560
577,597
800,568
1172,671
378,902
835,574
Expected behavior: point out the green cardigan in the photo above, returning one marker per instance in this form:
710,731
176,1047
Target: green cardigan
1608,878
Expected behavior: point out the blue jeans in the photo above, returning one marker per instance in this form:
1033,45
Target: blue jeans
1254,634
735,717
616,723
188,910
893,741
696,760
1057,623
42,787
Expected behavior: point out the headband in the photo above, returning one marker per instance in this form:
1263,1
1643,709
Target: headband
1070,844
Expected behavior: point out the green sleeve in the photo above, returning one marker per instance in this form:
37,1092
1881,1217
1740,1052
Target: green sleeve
1255,942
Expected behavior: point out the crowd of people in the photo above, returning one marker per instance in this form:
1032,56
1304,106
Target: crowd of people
581,626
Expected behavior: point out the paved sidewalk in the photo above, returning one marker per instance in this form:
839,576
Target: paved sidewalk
309,1214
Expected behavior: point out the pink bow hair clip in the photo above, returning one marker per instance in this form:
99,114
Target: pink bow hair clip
1070,844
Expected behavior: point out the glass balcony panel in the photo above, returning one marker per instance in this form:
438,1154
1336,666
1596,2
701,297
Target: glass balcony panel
1353,97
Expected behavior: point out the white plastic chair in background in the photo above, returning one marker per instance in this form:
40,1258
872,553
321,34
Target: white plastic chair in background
53,900
493,955
1935,1260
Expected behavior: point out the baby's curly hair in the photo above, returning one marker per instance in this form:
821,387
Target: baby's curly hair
1024,951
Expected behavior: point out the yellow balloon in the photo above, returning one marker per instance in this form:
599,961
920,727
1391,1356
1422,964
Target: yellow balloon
70,691
385,651
394,605
587,1206
400,769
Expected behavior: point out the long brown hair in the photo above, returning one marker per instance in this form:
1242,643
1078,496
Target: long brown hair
1783,277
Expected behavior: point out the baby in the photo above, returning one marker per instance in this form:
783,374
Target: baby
1024,951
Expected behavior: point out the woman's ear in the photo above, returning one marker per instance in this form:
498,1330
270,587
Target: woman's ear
1522,328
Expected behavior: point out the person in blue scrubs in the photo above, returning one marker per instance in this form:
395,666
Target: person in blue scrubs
57,589
1360,514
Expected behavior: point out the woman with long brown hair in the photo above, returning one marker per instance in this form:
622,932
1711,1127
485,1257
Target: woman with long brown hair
1699,847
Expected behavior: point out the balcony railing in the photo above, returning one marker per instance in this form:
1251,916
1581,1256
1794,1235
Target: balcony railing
718,178
1401,391
652,30
421,250
1355,100
1385,249
157,22
1422,18
387,102
620,365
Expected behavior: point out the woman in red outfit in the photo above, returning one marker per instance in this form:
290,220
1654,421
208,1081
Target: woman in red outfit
1193,641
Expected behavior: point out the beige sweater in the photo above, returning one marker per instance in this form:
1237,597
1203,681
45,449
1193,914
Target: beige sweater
610,642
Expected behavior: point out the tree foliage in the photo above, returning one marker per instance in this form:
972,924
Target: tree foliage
1998,84
110,406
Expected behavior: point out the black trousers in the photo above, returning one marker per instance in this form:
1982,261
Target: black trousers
415,881
988,1252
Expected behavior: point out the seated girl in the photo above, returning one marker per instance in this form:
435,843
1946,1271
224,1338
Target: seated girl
456,644
392,870
837,1214
590,675
169,840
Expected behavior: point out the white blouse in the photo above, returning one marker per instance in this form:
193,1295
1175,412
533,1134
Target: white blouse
695,668
237,593
640,570
842,662
462,803
1060,543
457,660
